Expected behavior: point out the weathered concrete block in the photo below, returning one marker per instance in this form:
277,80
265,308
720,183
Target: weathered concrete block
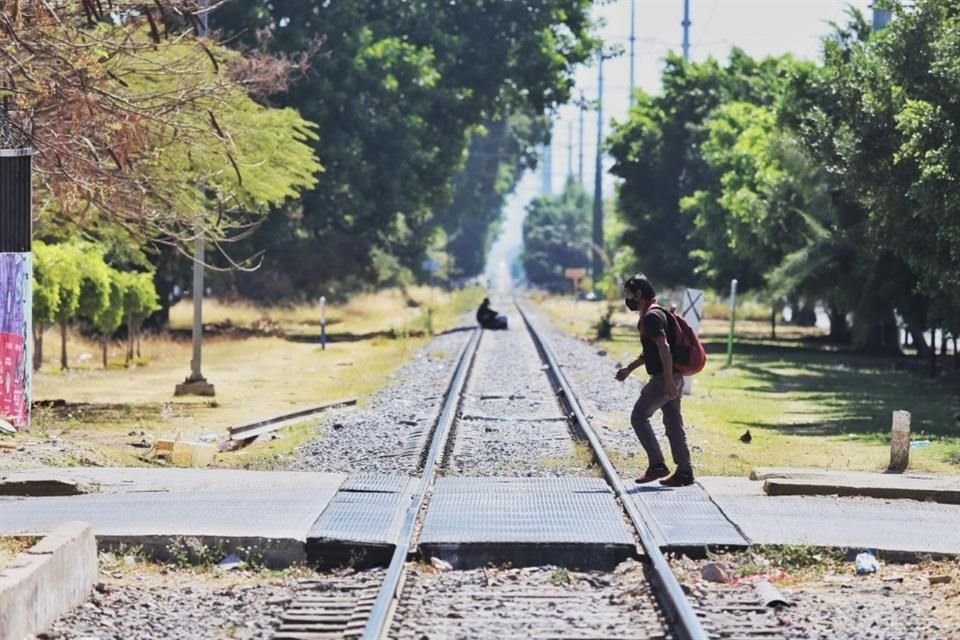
900,442
47,580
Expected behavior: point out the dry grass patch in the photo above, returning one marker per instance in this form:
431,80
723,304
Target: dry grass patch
110,411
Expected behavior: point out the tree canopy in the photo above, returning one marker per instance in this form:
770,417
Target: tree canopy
425,113
830,182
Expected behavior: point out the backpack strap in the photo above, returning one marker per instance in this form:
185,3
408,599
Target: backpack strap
671,324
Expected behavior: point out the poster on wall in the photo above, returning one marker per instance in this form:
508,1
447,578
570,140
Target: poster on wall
15,338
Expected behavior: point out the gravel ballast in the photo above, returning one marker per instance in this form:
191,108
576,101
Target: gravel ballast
386,434
180,605
536,602
511,423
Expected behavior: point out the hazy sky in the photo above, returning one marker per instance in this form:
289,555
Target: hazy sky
759,27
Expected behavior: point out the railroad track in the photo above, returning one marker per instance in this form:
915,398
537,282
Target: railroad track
382,604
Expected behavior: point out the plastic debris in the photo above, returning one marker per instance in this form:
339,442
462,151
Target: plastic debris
440,564
866,562
919,444
231,562
770,595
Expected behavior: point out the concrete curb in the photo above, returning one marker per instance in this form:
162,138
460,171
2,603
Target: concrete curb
47,580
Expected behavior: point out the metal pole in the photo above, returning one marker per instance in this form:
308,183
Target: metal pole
633,40
198,257
196,384
547,170
204,16
569,150
733,320
583,110
686,30
323,323
598,182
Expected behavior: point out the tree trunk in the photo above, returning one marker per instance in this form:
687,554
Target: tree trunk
956,354
129,340
839,331
877,336
933,353
63,345
805,315
919,341
943,342
773,322
103,346
37,346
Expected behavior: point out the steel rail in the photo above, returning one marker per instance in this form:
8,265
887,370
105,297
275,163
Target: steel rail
679,611
381,614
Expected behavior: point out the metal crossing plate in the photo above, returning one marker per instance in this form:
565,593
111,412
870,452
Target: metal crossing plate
378,483
687,517
569,522
368,508
541,510
464,484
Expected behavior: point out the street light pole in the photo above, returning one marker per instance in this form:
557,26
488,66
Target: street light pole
196,384
598,183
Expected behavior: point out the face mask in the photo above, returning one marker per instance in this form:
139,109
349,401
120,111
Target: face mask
632,304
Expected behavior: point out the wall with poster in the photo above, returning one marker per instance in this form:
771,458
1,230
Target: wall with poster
15,339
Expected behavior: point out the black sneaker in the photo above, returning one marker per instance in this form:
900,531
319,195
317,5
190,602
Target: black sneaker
678,480
654,473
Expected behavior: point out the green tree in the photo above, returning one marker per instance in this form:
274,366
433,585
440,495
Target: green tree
45,295
854,116
556,236
657,153
398,91
109,319
139,301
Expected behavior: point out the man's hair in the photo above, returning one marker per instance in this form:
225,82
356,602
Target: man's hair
640,283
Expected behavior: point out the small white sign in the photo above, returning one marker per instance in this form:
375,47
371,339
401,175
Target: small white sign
691,310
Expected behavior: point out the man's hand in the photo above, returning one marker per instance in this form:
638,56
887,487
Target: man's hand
624,373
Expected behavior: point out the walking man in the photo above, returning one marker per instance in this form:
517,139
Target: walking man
663,390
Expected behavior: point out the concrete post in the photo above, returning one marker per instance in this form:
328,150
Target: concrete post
900,442
16,304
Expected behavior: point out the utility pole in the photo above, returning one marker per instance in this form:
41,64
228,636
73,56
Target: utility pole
196,384
583,110
598,182
547,176
569,151
633,40
686,30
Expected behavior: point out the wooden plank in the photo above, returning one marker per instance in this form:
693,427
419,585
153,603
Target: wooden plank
254,429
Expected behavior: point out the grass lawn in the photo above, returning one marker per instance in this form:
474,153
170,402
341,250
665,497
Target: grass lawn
805,405
255,376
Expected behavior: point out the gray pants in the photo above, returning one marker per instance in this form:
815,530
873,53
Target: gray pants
653,397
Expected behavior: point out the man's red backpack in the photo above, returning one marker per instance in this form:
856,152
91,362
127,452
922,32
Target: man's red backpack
688,354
